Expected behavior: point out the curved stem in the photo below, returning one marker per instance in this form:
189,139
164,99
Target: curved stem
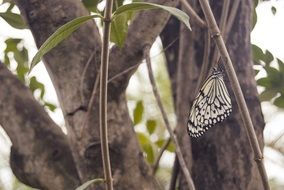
205,62
103,96
167,123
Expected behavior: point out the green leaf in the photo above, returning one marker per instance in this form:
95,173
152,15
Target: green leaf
21,72
273,10
138,112
59,35
267,95
265,82
256,71
11,44
7,1
271,71
6,60
143,139
151,126
136,6
147,147
35,84
257,53
11,6
117,4
281,65
119,28
88,183
279,102
50,106
171,147
91,5
255,3
268,57
254,19
22,56
160,143
14,20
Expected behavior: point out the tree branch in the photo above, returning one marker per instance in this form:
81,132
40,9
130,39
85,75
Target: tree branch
40,156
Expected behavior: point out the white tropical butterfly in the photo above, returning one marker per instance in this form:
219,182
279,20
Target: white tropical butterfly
211,106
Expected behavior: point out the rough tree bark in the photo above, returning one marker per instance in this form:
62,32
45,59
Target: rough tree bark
45,158
221,159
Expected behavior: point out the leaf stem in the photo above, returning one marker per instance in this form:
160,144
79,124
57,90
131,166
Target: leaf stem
166,121
103,96
236,89
157,161
193,15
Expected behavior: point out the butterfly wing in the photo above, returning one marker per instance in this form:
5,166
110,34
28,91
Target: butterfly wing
211,106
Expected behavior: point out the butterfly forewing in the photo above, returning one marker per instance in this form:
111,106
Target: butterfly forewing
212,105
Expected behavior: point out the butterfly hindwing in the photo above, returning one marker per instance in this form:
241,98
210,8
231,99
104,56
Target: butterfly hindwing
211,106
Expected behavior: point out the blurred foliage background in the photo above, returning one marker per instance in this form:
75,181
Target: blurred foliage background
15,53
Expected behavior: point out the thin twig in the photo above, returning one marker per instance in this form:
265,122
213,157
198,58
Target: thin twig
277,148
236,89
276,139
167,123
193,15
222,26
231,18
90,105
136,65
175,173
164,147
103,96
272,143
84,73
205,62
226,28
179,91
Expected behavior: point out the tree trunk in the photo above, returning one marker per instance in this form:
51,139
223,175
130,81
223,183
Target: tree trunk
222,158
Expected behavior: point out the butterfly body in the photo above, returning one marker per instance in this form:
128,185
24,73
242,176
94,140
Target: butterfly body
211,106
